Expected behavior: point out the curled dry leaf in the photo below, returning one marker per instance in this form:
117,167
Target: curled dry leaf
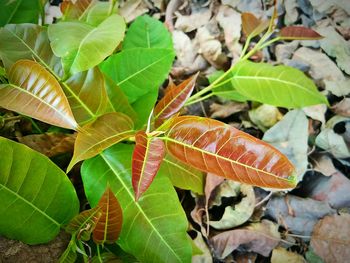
97,136
258,237
299,32
49,144
331,238
84,223
214,147
280,254
109,225
146,159
174,99
34,92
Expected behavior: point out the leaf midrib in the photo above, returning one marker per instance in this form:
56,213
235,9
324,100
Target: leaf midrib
30,204
137,205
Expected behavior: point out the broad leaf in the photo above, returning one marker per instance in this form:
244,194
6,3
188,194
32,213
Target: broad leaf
182,175
174,99
84,223
28,41
146,159
147,32
109,225
224,88
298,32
118,102
107,130
33,91
99,11
253,26
37,198
86,94
279,86
215,147
138,71
157,218
19,11
82,46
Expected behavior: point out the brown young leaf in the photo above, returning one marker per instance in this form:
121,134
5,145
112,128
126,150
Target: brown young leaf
258,237
97,136
174,99
84,223
218,148
34,92
146,159
298,32
74,9
253,26
331,238
49,144
109,225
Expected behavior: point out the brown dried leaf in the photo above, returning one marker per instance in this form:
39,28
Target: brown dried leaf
331,238
49,144
258,237
253,26
227,109
342,108
299,32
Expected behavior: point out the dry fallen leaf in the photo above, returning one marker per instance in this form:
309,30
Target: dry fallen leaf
280,254
49,144
193,21
342,108
258,237
323,164
331,238
132,8
227,109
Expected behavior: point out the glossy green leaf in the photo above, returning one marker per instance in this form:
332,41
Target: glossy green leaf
33,91
154,228
107,130
275,85
82,225
215,147
28,41
86,94
146,159
118,102
37,198
82,46
98,11
109,225
182,175
19,11
138,71
147,32
224,88
143,64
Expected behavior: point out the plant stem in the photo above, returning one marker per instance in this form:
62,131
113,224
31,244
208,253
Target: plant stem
200,99
12,118
246,45
98,254
81,246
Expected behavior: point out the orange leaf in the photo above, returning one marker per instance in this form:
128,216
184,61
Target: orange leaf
34,92
253,26
74,9
146,159
218,148
109,225
174,99
299,32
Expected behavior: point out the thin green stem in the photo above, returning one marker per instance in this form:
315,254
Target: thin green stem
270,42
246,45
98,254
200,99
81,246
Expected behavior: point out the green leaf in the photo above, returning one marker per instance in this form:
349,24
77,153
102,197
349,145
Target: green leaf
138,71
86,94
70,254
154,229
37,198
224,88
19,11
28,41
147,32
182,175
82,46
97,12
143,64
275,85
